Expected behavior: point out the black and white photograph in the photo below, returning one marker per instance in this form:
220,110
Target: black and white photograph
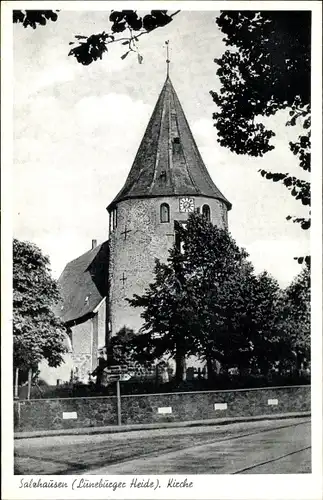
166,290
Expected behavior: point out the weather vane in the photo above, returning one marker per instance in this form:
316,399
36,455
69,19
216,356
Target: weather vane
167,59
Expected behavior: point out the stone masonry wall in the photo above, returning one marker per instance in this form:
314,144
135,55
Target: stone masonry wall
153,408
133,255
45,414
87,338
82,338
200,405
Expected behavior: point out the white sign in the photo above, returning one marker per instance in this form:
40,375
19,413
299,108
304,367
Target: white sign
166,409
220,406
273,401
124,377
69,415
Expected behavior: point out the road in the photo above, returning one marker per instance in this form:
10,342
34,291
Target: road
263,447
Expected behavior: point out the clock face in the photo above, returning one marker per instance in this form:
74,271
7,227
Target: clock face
186,205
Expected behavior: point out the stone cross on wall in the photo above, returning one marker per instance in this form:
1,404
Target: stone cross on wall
123,279
126,231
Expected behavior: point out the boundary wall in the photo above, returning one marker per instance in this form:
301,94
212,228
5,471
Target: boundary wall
67,413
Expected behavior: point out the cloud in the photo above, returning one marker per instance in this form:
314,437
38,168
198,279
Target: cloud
41,60
113,111
258,217
68,165
277,257
52,75
48,76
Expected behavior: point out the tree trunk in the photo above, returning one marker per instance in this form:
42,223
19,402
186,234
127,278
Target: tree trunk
210,369
17,383
156,376
30,372
299,364
180,366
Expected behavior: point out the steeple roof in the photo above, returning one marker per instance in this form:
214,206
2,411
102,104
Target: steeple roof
168,162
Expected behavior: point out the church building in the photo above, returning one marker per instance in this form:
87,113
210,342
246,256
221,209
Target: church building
167,181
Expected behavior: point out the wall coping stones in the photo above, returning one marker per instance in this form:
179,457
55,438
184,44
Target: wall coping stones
217,391
64,399
159,394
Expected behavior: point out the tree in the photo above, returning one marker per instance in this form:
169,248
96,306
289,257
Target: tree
236,308
263,326
207,301
120,347
167,313
296,318
267,69
37,332
91,48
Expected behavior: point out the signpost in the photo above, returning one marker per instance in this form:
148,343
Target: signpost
116,373
118,402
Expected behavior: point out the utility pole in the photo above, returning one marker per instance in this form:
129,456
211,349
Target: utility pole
118,402
16,383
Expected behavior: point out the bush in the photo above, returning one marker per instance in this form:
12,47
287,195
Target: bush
220,382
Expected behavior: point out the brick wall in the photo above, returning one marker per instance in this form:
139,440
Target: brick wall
150,408
135,256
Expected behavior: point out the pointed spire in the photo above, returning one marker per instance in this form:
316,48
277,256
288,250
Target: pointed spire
168,162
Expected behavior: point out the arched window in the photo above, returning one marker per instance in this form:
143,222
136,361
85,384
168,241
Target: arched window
114,218
206,212
164,212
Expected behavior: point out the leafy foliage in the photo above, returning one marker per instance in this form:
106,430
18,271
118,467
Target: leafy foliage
37,332
296,316
267,69
207,301
91,48
167,314
120,348
127,22
34,18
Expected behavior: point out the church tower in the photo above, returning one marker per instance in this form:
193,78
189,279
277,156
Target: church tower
167,181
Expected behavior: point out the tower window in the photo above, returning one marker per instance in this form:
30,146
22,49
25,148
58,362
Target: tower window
176,140
164,212
206,212
114,218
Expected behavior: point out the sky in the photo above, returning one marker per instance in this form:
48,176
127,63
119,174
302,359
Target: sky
77,129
